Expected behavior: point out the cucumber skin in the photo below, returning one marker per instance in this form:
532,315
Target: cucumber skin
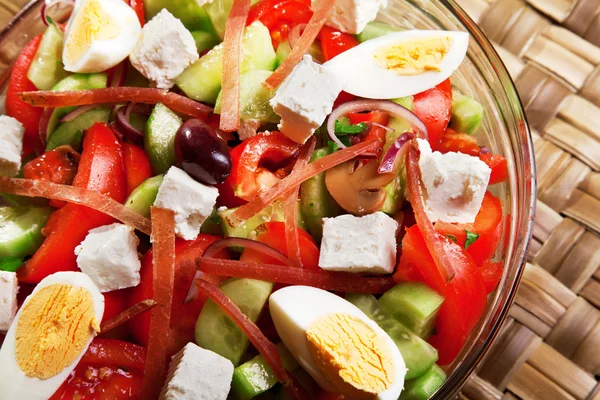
71,132
466,113
192,15
24,225
142,197
418,355
374,30
159,138
47,70
425,386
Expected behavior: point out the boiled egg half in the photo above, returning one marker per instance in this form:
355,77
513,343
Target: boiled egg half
401,63
49,335
99,35
337,344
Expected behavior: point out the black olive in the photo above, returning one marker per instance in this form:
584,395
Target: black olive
202,153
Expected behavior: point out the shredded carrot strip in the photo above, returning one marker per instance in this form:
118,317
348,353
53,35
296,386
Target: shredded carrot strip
290,211
163,267
126,315
232,59
265,347
264,198
77,195
301,48
178,103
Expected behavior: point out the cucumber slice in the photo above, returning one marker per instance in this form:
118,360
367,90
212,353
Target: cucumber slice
191,14
374,30
142,197
284,50
46,69
202,80
10,264
218,13
21,230
254,98
159,138
204,40
418,355
415,305
315,202
215,331
71,132
467,113
425,386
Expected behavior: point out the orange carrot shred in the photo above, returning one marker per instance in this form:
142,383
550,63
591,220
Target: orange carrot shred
126,315
301,48
163,264
232,59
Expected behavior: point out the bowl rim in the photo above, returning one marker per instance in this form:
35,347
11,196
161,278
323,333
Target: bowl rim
475,354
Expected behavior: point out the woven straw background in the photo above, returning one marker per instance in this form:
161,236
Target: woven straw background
549,348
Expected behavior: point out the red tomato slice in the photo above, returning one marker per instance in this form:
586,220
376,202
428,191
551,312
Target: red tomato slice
138,7
458,142
334,42
115,303
57,166
279,16
498,165
375,132
28,115
137,166
492,273
433,108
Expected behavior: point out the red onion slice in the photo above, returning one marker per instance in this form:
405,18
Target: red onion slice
119,75
77,112
51,3
395,110
129,131
390,162
295,33
43,127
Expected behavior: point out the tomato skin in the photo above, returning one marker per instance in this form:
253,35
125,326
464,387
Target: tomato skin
115,303
137,166
226,196
18,82
273,234
279,16
374,132
492,273
498,165
248,175
459,143
100,169
334,42
433,108
138,7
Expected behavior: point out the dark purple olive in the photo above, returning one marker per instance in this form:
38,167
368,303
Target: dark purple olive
202,153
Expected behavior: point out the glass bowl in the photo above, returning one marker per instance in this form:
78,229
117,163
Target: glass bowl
504,131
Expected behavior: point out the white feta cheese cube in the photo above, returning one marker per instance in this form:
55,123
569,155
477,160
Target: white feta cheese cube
165,49
359,244
191,201
197,374
11,145
351,16
108,255
455,184
9,287
305,99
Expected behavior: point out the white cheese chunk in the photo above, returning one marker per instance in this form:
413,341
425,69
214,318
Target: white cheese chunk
11,145
8,299
351,16
455,184
197,374
305,99
359,244
108,255
191,201
165,49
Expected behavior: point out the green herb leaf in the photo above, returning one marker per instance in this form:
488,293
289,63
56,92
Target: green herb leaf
50,20
471,238
452,237
333,146
342,128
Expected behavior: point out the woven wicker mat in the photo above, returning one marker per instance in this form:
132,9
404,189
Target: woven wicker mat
550,346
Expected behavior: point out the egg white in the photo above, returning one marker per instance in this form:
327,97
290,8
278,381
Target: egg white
105,54
295,308
364,78
14,384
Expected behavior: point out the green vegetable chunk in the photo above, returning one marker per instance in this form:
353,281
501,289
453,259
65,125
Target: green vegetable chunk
142,198
10,264
374,30
345,128
467,113
159,138
415,305
425,386
471,238
21,230
191,14
418,355
46,69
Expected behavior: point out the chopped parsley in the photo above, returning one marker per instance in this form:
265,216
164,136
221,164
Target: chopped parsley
471,238
333,146
343,128
452,237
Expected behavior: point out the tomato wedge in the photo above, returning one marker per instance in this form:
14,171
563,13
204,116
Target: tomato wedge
334,42
137,166
279,16
433,108
458,142
492,273
498,165
58,166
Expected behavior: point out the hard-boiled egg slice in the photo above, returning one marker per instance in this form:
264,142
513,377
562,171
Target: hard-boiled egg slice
337,344
401,63
49,335
99,35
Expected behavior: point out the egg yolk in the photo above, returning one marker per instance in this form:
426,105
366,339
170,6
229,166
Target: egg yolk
415,56
91,23
53,329
351,355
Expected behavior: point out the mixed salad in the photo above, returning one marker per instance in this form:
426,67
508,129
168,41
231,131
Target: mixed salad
236,199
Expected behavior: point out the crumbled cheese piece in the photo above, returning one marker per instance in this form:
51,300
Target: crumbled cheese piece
191,201
305,99
455,184
165,49
351,16
11,145
198,374
9,287
108,255
359,244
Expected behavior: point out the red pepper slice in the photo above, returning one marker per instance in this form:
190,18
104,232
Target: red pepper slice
137,166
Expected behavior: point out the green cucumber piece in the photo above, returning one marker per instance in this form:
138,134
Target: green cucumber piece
466,114
46,69
21,230
218,13
418,355
71,132
315,201
204,40
142,197
374,30
10,264
425,386
284,50
191,14
414,304
254,98
159,138
202,80
256,376
215,331
406,102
